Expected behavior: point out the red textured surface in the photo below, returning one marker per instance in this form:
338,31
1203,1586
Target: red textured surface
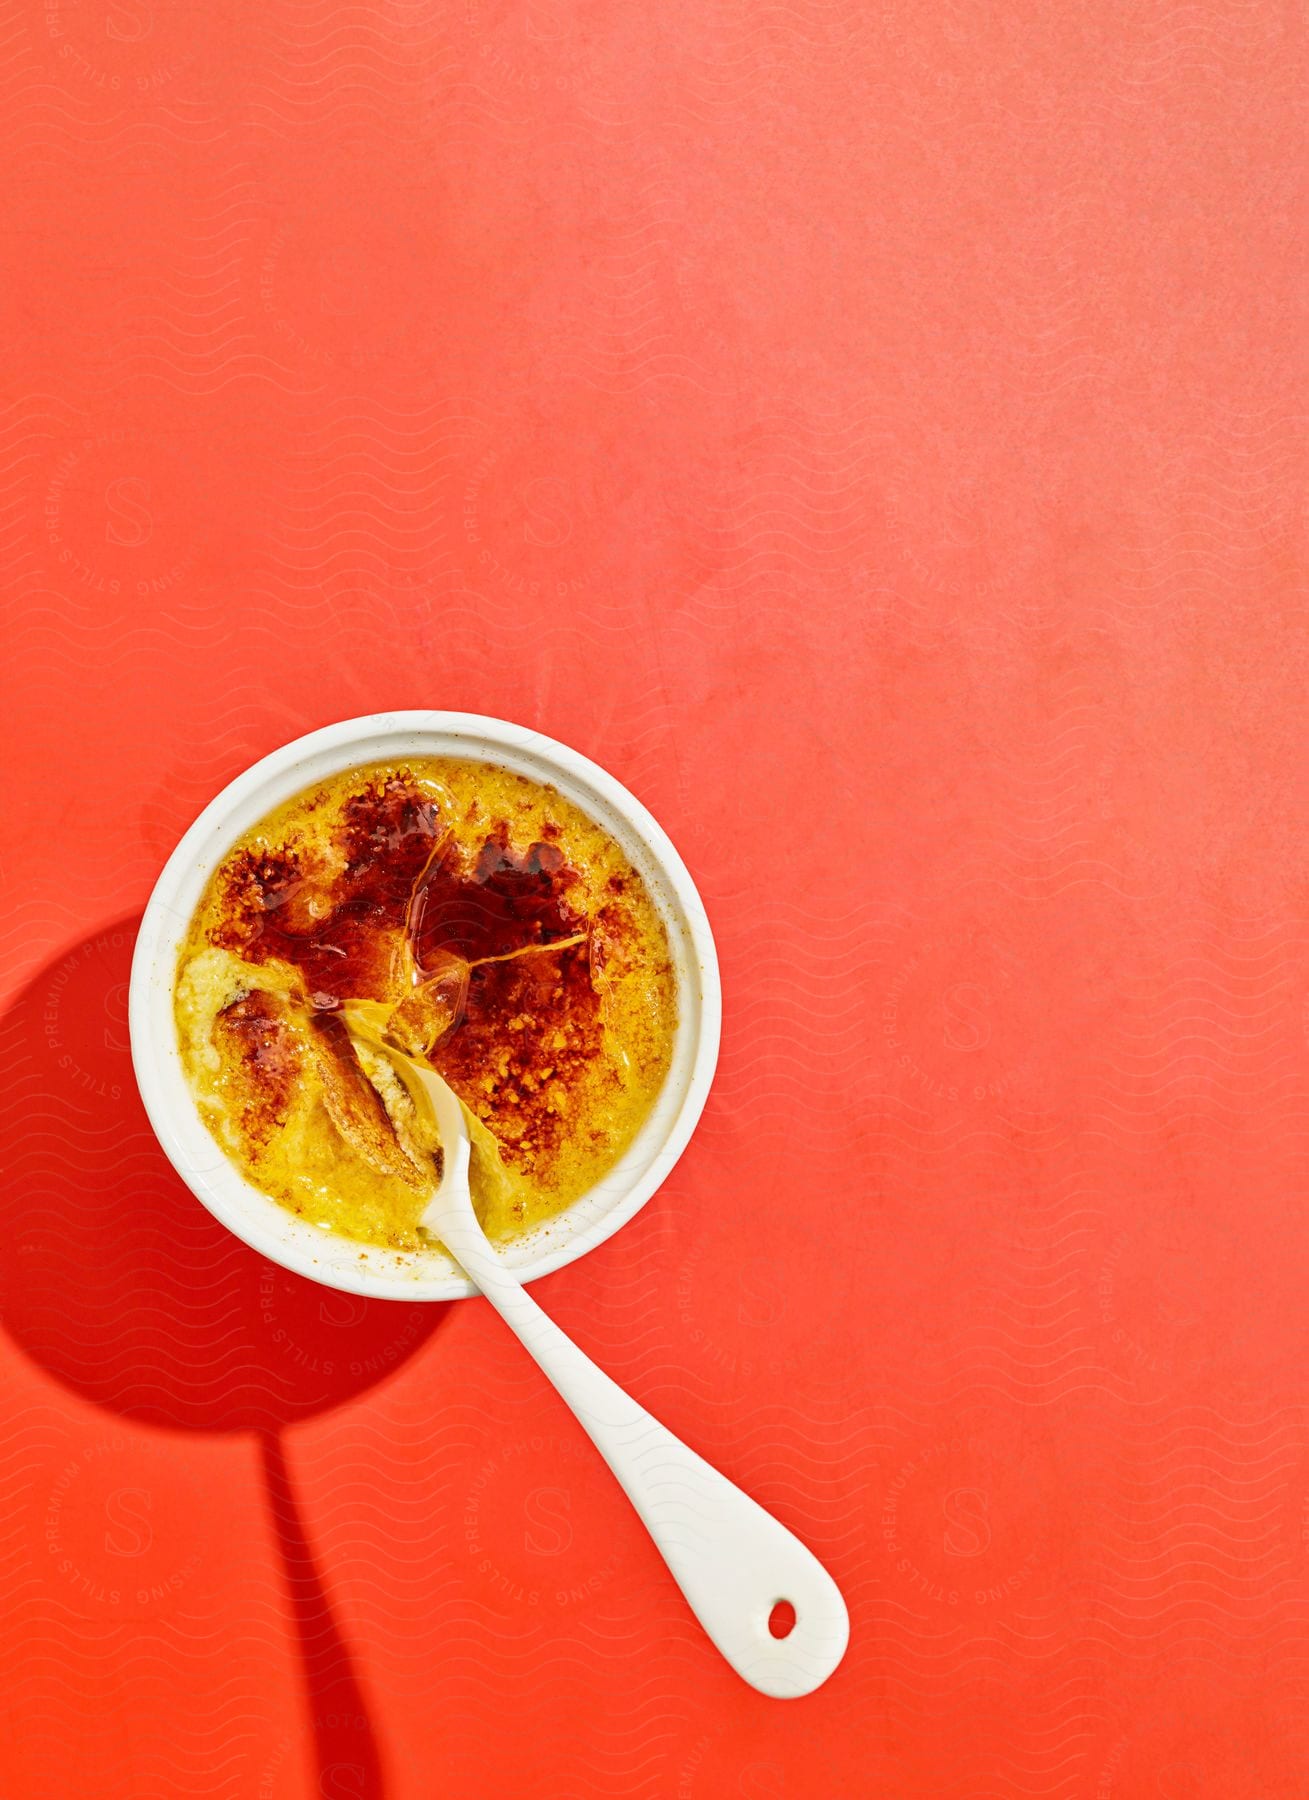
870,432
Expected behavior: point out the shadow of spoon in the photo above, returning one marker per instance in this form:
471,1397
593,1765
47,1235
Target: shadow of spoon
117,1282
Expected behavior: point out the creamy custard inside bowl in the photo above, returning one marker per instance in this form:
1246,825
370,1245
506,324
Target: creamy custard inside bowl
473,894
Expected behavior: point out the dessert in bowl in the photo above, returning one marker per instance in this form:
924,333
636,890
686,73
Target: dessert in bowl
442,887
430,933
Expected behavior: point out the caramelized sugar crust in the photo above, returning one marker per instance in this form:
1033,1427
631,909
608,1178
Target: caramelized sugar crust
469,916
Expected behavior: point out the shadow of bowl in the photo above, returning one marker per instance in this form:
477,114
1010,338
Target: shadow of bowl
117,1282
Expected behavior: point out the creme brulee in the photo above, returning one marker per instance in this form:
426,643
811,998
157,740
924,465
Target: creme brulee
460,914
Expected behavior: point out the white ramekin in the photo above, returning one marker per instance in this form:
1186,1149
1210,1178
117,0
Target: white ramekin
385,737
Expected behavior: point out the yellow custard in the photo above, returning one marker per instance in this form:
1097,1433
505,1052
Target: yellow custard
466,916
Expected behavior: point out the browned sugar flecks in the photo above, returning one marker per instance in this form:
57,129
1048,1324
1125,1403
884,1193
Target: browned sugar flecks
486,963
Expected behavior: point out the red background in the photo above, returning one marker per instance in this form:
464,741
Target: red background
870,431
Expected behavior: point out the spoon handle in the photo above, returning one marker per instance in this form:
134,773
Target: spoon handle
733,1561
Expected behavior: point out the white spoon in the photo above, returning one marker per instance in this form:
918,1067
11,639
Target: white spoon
731,1559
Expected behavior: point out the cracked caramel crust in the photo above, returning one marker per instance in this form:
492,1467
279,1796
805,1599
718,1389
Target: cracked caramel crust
503,936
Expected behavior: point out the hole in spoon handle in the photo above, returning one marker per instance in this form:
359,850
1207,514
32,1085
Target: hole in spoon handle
781,1620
